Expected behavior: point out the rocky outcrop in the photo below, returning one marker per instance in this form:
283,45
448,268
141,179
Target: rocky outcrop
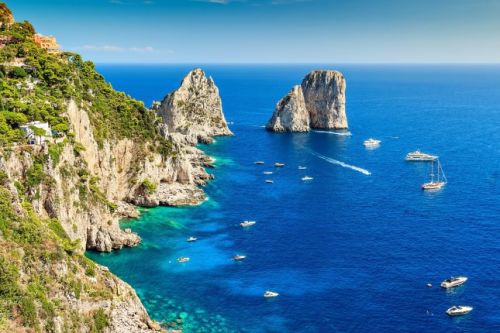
195,109
319,102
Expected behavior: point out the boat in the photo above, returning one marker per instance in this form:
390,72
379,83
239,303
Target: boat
270,294
418,156
192,239
454,282
183,259
429,285
246,224
267,173
259,162
459,310
302,167
439,182
306,178
279,165
371,143
269,181
239,257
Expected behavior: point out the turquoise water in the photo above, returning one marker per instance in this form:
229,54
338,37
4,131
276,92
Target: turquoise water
347,251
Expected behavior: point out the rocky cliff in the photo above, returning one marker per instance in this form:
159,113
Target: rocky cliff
195,109
319,102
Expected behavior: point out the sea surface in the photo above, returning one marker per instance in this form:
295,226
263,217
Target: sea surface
352,250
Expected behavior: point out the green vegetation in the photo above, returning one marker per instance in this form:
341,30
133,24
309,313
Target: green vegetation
148,186
100,321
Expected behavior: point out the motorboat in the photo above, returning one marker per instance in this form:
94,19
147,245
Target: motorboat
269,181
454,282
246,224
371,143
435,183
183,259
192,239
279,165
302,167
306,178
459,310
239,257
270,294
259,162
267,173
418,156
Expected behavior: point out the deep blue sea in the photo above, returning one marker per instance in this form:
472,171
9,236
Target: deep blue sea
348,252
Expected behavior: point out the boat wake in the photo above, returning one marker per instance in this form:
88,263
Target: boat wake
342,164
334,133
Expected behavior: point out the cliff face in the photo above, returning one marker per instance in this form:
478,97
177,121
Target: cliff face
319,102
195,109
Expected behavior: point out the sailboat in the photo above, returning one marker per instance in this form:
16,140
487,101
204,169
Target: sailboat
440,181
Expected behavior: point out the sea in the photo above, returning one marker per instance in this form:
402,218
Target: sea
353,249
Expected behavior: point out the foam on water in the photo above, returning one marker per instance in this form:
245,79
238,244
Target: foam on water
342,164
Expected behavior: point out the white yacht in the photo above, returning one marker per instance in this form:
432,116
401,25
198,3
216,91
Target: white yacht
246,224
306,178
371,143
419,156
279,165
454,282
459,310
267,173
439,182
239,257
302,167
269,181
183,259
270,294
259,162
192,239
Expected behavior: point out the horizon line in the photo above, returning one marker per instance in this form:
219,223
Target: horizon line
296,63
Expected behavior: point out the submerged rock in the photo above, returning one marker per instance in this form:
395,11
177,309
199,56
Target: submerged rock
195,109
319,102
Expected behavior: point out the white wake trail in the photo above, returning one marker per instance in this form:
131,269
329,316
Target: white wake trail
334,133
342,164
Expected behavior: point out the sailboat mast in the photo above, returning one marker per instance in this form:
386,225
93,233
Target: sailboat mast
432,172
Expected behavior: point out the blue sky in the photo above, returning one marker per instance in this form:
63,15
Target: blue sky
271,31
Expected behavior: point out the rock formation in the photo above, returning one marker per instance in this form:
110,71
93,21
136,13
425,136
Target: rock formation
319,102
195,109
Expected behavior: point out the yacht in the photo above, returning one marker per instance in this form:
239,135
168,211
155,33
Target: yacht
453,282
439,182
192,239
239,257
371,143
270,294
267,173
302,167
259,162
419,156
183,259
269,181
459,310
279,165
306,178
246,224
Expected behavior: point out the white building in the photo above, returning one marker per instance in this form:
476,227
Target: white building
30,135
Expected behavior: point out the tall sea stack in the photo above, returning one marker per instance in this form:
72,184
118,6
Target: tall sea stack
319,102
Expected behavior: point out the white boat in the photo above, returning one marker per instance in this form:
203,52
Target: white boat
246,224
269,181
454,282
267,173
419,156
192,239
279,165
371,143
439,182
270,294
183,259
239,257
259,162
302,167
459,310
306,178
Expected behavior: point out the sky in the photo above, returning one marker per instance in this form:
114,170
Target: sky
271,31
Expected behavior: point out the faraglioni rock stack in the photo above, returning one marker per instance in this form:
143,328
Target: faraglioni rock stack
319,102
195,108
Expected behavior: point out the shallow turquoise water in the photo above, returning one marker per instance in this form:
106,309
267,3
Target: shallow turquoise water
347,252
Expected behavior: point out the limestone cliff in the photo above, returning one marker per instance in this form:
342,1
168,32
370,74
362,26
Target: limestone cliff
323,106
195,109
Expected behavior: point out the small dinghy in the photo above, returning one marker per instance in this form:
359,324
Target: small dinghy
269,181
371,143
246,224
267,173
279,165
459,310
306,178
183,259
270,294
192,239
302,167
239,257
453,282
259,162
